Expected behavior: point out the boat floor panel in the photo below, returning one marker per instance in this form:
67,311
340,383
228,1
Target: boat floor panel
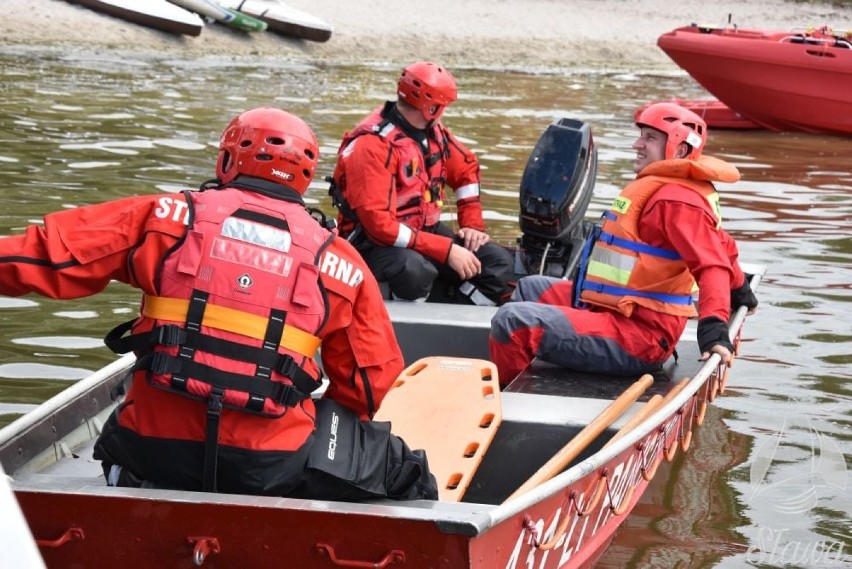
547,379
517,452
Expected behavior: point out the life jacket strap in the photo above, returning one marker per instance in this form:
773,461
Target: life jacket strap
580,279
638,247
680,299
167,335
211,441
194,317
338,201
231,320
171,335
279,393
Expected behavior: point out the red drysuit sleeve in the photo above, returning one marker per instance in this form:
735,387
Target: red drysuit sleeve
463,176
360,354
77,252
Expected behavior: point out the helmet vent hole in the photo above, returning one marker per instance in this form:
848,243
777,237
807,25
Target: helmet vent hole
309,153
263,157
276,140
695,127
245,143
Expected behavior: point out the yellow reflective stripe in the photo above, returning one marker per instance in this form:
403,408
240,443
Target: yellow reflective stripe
617,260
230,320
608,272
716,206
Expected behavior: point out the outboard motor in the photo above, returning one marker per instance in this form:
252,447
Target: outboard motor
556,188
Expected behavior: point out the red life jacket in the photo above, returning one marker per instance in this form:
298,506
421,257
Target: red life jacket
620,271
239,308
420,179
240,303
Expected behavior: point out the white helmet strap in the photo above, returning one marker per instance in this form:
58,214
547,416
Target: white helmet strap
693,140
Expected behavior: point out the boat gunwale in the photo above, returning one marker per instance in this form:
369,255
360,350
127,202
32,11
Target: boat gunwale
69,396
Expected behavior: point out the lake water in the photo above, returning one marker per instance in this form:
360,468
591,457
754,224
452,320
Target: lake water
766,481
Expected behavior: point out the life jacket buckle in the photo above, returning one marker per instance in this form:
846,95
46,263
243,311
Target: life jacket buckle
162,363
287,395
287,366
170,335
214,404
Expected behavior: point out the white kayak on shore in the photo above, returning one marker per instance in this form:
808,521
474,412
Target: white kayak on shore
227,16
157,14
284,19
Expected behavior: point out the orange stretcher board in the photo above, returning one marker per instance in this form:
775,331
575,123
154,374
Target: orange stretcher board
450,407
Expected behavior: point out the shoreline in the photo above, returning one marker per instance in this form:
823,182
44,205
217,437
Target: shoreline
531,35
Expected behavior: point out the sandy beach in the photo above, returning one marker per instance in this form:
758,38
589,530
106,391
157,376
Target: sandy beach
524,34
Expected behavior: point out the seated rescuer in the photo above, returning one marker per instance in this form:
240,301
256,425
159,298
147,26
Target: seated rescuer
631,299
240,287
389,188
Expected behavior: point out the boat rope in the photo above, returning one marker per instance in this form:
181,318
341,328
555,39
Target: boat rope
595,491
671,451
693,410
649,470
702,405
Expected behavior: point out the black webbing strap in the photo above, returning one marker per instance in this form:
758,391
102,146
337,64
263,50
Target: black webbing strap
166,335
263,371
262,218
119,345
338,201
194,317
266,357
433,159
211,441
162,363
305,382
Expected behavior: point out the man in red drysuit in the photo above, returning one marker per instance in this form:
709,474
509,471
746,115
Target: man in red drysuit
630,302
389,187
240,287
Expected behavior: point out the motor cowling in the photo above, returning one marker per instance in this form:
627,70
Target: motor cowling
556,188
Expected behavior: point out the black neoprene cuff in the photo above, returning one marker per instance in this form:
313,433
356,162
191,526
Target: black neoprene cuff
743,296
713,332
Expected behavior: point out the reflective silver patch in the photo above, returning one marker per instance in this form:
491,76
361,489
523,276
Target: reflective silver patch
257,234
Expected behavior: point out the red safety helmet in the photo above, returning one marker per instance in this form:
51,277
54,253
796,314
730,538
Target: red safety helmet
427,87
271,144
680,125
